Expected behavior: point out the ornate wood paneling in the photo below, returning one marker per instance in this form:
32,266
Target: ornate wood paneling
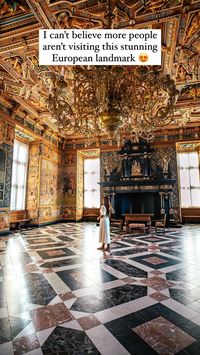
20,73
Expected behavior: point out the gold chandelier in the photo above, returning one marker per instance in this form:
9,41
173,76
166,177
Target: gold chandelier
120,101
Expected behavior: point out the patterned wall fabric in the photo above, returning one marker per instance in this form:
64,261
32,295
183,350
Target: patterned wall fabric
8,176
6,143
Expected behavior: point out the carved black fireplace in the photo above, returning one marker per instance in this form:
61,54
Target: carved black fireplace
134,187
142,202
137,196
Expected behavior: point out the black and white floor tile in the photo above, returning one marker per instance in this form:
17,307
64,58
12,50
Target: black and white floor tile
60,295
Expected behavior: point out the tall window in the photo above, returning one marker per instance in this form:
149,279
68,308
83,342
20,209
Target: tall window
91,187
189,179
19,176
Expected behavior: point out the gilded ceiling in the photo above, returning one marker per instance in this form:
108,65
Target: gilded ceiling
21,85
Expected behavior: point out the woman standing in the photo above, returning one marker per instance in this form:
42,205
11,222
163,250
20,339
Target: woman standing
104,230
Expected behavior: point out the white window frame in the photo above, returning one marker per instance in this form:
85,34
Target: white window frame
95,188
187,171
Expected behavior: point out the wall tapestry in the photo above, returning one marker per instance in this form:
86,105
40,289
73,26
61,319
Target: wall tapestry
2,172
49,182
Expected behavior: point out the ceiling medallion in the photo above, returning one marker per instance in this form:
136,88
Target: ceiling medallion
120,101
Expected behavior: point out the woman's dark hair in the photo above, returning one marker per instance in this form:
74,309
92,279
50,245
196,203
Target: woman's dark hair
106,204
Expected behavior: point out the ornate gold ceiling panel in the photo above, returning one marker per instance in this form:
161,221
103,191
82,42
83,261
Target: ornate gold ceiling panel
21,75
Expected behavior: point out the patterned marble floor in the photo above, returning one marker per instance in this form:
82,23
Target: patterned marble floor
60,295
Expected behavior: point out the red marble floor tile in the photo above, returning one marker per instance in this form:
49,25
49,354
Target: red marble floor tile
55,252
129,280
66,296
38,241
49,316
39,261
156,272
155,260
88,322
163,336
77,275
151,238
158,296
47,271
25,344
153,248
31,268
156,282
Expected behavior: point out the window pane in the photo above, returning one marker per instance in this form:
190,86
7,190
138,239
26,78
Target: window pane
194,177
193,159
189,179
185,197
91,186
195,194
19,175
185,178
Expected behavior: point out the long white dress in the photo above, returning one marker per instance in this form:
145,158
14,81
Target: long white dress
104,228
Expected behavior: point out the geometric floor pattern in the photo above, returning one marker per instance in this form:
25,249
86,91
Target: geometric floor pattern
60,295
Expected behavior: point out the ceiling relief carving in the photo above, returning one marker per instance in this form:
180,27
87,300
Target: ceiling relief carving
8,8
21,77
158,5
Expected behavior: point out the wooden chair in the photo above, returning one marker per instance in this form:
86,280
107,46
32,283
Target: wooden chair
161,224
118,223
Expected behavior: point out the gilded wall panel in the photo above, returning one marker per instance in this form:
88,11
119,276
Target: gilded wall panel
45,214
7,132
50,153
69,158
68,212
79,186
48,183
4,222
67,194
33,183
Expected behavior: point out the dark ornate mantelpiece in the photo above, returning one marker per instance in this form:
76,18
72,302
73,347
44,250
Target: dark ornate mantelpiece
161,188
138,185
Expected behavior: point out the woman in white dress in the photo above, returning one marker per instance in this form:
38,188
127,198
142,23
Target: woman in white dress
104,229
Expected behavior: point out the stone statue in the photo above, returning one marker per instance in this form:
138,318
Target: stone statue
126,166
136,169
165,165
